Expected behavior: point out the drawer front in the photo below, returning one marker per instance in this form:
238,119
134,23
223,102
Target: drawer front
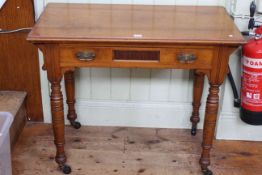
177,57
191,58
84,56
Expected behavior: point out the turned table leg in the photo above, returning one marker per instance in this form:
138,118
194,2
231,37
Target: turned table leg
197,94
70,94
58,125
209,127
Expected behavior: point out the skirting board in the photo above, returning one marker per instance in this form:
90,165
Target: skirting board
160,115
232,128
134,114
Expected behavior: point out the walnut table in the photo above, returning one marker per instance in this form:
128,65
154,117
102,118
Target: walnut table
195,38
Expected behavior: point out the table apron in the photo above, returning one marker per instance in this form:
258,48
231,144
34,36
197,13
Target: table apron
180,57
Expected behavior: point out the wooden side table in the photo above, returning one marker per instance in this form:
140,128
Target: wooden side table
73,36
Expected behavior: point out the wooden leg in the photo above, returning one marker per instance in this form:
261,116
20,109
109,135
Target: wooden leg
209,127
70,93
58,125
198,91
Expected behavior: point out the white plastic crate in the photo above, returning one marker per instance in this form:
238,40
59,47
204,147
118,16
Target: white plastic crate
6,120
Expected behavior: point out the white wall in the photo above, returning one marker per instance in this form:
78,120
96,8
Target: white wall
229,125
144,97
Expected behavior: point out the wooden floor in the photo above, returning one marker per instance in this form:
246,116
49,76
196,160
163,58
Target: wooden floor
131,151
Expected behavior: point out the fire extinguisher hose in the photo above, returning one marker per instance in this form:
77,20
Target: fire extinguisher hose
237,101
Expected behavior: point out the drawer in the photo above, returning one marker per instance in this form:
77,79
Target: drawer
192,58
84,56
175,57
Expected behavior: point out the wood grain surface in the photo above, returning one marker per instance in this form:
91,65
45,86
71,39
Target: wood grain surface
167,56
131,151
19,65
140,23
164,29
14,102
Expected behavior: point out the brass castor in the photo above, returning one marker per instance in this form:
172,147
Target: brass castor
193,131
76,125
207,172
66,169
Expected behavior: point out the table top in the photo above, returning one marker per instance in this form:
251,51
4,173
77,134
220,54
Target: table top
135,23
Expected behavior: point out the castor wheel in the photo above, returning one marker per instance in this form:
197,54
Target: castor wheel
207,172
66,169
76,125
193,131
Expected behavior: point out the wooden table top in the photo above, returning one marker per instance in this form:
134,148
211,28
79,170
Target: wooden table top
135,23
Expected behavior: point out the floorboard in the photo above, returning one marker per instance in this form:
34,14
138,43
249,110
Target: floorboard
131,151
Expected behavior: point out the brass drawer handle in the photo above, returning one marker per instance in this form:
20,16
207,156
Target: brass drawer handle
86,55
186,58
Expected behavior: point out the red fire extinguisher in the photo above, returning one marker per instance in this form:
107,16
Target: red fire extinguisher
251,85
